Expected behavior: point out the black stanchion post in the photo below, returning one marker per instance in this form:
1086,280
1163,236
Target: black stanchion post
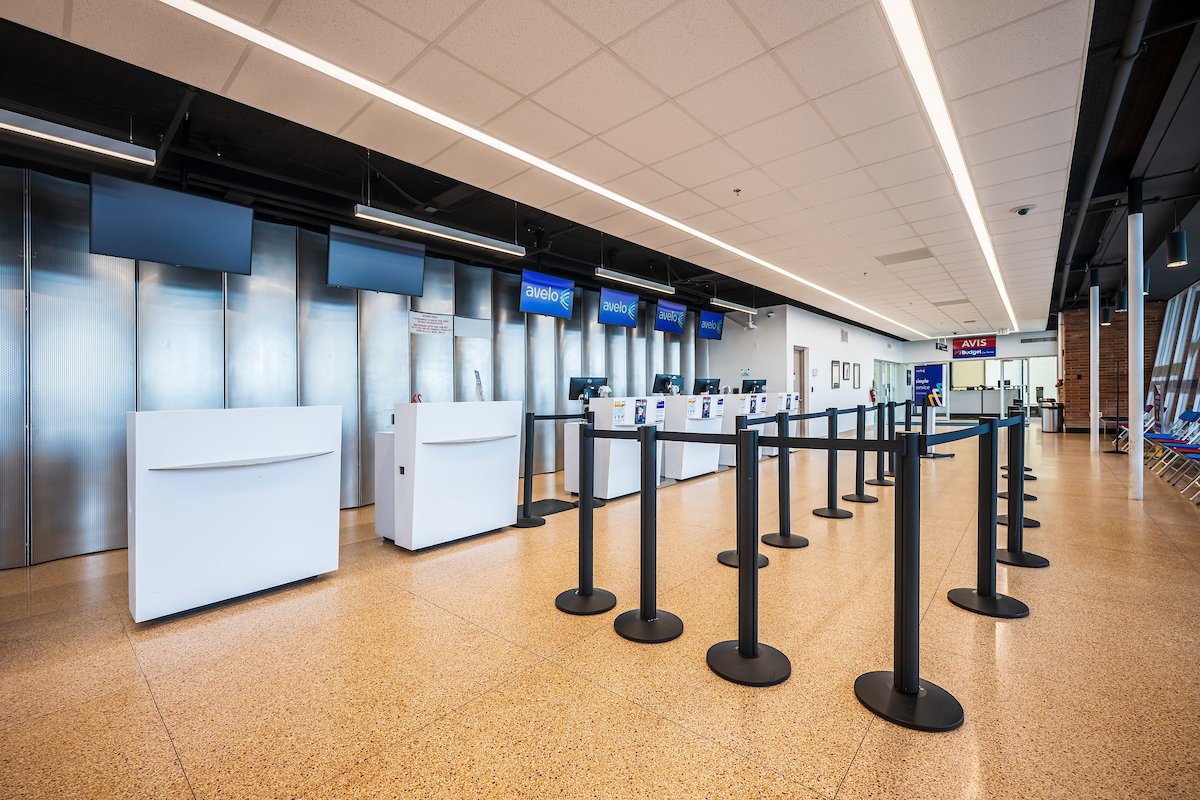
784,538
649,623
900,696
745,660
525,518
587,599
831,510
984,599
730,557
860,463
908,406
881,435
1015,555
890,472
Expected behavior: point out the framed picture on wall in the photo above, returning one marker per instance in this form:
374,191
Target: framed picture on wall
846,371
857,377
835,374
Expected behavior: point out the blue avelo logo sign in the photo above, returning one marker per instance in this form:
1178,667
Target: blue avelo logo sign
541,294
710,325
670,317
618,308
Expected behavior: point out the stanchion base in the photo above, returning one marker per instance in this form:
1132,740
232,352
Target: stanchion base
938,455
1022,559
528,522
832,513
1002,519
879,482
1027,477
860,498
1004,496
1027,469
769,668
791,541
730,558
584,605
1001,605
889,473
665,627
932,709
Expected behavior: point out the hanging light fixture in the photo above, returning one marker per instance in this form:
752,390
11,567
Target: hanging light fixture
1122,304
1106,316
1145,281
1177,244
73,137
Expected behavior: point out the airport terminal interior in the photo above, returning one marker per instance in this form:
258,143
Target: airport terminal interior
599,398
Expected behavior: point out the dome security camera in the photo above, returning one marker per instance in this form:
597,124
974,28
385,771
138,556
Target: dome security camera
1023,210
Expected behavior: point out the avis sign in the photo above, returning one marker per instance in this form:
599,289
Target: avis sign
979,347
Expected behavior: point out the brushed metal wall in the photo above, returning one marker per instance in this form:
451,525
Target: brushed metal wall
638,358
432,354
508,343
616,366
541,386
13,230
438,297
472,331
328,350
82,380
568,351
472,292
180,338
260,323
687,351
592,336
384,377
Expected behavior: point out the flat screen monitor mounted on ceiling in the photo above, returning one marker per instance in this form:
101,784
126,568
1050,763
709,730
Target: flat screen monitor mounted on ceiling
669,317
360,260
618,308
711,324
134,220
542,294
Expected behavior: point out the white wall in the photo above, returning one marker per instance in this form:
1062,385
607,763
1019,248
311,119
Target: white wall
762,350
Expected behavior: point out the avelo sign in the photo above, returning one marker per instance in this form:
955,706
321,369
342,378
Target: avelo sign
618,308
978,347
669,318
541,294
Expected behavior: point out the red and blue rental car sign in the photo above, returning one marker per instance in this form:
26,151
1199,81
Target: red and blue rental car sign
979,347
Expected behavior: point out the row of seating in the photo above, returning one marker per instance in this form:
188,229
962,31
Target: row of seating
1174,455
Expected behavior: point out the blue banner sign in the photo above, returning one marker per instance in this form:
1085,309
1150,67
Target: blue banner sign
930,382
618,308
541,294
669,318
710,325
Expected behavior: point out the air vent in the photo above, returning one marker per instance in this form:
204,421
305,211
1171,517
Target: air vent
969,321
907,255
845,336
1042,339
957,302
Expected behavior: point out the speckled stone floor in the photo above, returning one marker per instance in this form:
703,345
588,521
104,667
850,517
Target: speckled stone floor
449,673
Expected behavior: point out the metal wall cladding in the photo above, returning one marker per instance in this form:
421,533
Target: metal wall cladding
568,349
180,338
701,356
656,352
687,351
638,357
13,505
472,359
384,374
438,295
260,323
432,365
508,343
617,355
672,363
593,342
82,381
542,359
472,291
328,351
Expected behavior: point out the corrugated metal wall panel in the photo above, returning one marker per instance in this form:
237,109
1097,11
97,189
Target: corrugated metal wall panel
13,506
384,378
540,393
568,351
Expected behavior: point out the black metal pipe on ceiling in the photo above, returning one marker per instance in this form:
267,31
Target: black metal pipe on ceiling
1130,48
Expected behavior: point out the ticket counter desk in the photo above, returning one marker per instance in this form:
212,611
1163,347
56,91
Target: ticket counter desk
449,471
743,405
788,402
617,466
692,414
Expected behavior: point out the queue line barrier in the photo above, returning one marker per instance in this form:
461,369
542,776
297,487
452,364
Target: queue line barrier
529,513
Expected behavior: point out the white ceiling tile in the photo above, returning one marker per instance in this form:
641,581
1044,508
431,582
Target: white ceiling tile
46,16
752,183
947,236
644,186
691,42
596,161
687,248
425,19
598,94
1015,223
660,237
743,96
496,36
1025,165
682,205
764,248
845,51
764,208
659,133
936,224
819,162
399,133
476,164
1057,127
1044,203
715,258
781,20
891,139
907,168
875,101
252,11
348,35
610,19
893,246
626,223
709,162
929,209
868,223
536,188
947,22
453,88
715,222
795,221
920,191
585,208
883,241
283,87
1017,192
791,132
742,234
837,187
811,236
1012,102
533,128
861,205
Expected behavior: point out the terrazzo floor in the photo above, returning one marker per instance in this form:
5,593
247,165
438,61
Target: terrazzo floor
450,673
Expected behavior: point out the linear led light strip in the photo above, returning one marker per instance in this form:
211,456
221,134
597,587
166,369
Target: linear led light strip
275,45
907,32
72,137
433,229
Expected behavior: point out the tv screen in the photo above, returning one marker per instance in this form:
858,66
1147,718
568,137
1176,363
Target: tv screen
753,385
360,260
709,385
618,308
134,220
710,325
662,381
669,318
584,387
542,294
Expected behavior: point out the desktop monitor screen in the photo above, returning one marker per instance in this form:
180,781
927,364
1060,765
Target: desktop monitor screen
584,386
542,294
710,385
359,260
618,308
753,385
669,317
710,325
134,220
661,382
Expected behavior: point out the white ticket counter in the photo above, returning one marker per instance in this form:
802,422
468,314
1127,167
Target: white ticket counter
743,405
449,471
618,461
692,414
225,502
781,401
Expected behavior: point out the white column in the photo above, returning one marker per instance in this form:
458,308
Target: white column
1094,365
1137,397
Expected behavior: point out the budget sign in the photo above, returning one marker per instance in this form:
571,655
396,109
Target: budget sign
710,325
541,294
618,308
669,318
979,347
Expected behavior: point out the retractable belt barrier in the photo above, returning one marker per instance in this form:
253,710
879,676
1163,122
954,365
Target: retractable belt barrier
860,492
1014,554
881,433
526,518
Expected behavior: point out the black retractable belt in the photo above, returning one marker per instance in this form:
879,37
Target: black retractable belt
586,599
784,538
1015,555
526,519
831,510
730,557
881,434
1016,455
891,456
860,492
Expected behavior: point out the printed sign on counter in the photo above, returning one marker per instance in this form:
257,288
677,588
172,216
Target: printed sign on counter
705,407
660,413
620,412
420,322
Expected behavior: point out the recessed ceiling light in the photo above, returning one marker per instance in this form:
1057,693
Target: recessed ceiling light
263,39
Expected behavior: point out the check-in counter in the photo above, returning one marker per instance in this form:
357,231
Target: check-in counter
692,414
742,405
976,402
618,461
780,401
449,471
